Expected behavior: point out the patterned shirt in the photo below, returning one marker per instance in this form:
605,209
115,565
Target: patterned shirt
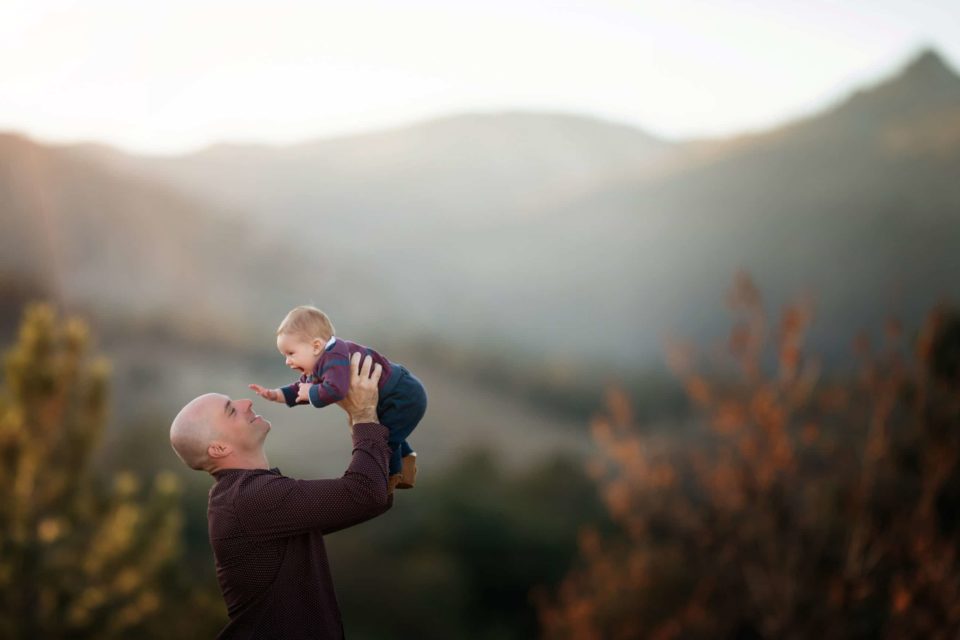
267,532
331,375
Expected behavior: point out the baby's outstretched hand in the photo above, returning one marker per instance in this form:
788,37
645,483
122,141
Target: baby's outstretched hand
303,393
274,395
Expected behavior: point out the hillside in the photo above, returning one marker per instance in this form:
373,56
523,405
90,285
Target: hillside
184,297
537,229
458,170
859,205
129,249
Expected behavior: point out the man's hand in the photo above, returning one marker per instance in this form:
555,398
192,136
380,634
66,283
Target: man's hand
303,392
361,401
274,395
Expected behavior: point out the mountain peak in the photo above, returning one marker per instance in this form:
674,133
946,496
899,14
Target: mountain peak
928,68
926,85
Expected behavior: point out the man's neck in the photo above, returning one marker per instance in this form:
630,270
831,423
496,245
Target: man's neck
237,461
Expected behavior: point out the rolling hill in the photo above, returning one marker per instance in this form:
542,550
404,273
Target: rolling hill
538,229
129,249
563,234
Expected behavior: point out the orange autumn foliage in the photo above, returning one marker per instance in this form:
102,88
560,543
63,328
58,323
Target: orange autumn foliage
806,506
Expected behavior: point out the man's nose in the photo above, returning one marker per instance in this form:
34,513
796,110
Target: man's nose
244,404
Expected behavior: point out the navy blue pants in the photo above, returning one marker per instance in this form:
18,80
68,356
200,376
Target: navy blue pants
400,411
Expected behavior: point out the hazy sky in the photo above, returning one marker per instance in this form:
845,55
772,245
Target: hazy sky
173,75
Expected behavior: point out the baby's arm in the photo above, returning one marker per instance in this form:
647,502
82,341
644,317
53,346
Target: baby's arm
274,395
287,394
292,393
333,386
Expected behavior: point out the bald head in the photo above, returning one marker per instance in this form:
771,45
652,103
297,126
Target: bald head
193,430
215,432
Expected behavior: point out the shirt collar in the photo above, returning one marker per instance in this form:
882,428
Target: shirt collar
223,472
330,342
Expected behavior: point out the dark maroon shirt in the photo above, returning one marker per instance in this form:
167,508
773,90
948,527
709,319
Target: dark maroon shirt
267,532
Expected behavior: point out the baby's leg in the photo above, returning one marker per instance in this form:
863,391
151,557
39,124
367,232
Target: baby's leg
396,458
400,426
408,474
401,412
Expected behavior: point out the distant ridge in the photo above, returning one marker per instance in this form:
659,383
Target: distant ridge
510,157
926,84
542,228
129,247
497,122
928,68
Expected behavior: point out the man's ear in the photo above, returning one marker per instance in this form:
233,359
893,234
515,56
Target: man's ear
217,449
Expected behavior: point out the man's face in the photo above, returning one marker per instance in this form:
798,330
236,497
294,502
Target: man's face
300,354
236,423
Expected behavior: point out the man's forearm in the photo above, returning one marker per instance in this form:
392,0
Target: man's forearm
367,475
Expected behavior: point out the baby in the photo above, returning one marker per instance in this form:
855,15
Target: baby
306,339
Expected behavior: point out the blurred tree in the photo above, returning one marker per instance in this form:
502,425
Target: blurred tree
943,350
807,507
76,560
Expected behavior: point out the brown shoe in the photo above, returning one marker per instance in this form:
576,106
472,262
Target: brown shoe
408,476
392,483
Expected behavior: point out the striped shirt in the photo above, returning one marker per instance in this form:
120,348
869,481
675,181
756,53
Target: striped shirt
331,375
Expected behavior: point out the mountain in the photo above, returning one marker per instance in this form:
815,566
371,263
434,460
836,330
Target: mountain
454,170
578,237
926,87
184,297
406,201
123,247
859,204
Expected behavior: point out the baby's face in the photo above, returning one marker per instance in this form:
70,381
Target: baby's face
301,354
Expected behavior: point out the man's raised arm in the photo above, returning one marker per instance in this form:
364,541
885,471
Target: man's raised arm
274,505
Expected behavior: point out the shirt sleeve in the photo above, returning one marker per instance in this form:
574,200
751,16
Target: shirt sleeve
290,393
273,506
334,382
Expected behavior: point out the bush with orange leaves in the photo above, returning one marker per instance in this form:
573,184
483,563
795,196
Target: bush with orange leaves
809,506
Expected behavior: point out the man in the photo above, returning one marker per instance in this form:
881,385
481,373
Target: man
266,529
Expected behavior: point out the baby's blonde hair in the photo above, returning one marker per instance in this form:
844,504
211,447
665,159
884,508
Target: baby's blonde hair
307,321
